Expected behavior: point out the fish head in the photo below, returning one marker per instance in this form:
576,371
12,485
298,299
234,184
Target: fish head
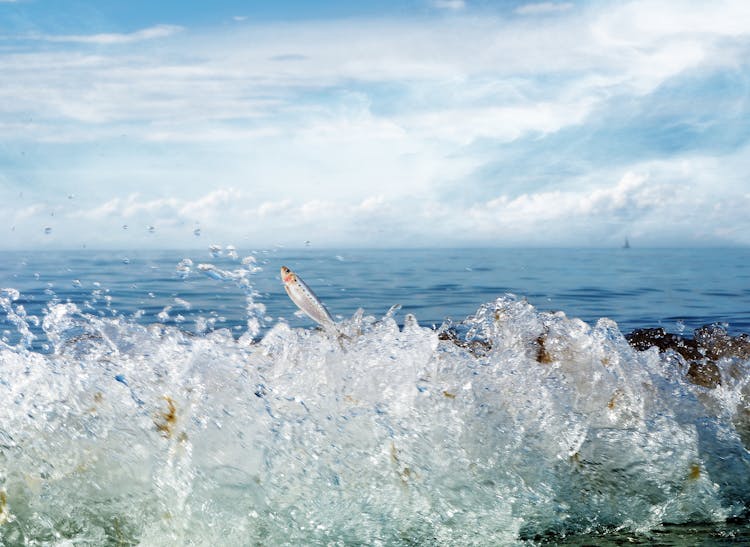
287,275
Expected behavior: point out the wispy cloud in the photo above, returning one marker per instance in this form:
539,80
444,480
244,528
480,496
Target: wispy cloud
151,33
455,5
543,8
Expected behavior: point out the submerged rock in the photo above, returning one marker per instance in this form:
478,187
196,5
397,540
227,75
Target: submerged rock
709,344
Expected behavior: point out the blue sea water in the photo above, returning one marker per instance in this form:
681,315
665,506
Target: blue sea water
179,398
677,289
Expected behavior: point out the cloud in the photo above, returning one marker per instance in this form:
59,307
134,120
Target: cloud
289,57
211,203
660,202
501,123
543,8
151,33
455,5
486,130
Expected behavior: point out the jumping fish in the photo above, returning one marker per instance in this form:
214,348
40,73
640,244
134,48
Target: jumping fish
305,299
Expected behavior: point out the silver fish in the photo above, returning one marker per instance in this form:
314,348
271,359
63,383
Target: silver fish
304,298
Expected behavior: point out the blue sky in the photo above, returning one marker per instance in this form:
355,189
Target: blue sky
378,124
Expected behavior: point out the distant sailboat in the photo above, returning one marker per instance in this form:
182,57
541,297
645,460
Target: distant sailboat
626,245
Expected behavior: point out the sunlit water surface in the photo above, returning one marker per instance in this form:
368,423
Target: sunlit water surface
175,398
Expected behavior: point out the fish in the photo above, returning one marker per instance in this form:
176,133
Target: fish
305,298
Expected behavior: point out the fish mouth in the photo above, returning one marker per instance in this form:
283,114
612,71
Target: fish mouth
286,274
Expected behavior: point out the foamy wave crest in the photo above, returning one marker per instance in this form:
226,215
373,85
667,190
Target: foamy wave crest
509,426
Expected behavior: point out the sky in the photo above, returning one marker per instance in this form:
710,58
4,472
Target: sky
417,123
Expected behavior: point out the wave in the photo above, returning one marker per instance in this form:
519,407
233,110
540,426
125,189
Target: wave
512,425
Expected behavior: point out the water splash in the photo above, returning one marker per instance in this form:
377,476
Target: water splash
255,311
508,426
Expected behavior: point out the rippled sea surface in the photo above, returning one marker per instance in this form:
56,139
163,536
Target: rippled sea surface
176,398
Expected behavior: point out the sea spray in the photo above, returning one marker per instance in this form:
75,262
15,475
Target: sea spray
511,425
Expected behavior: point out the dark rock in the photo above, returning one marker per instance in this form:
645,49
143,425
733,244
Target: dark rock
710,343
477,348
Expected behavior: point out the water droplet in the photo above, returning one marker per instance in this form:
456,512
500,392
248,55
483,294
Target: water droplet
47,230
125,260
76,282
124,226
151,229
183,268
214,250
163,315
197,232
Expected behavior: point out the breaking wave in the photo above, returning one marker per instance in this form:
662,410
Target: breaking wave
129,434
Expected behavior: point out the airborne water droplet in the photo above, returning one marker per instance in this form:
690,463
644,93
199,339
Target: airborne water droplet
47,230
183,268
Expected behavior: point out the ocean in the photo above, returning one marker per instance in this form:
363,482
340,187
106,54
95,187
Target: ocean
179,398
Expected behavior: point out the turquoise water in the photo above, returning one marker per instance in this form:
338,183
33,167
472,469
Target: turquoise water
176,398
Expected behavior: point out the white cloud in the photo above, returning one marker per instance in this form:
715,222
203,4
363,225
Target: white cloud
377,125
502,123
659,202
273,208
212,203
460,80
151,33
649,20
543,8
454,5
371,204
30,211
